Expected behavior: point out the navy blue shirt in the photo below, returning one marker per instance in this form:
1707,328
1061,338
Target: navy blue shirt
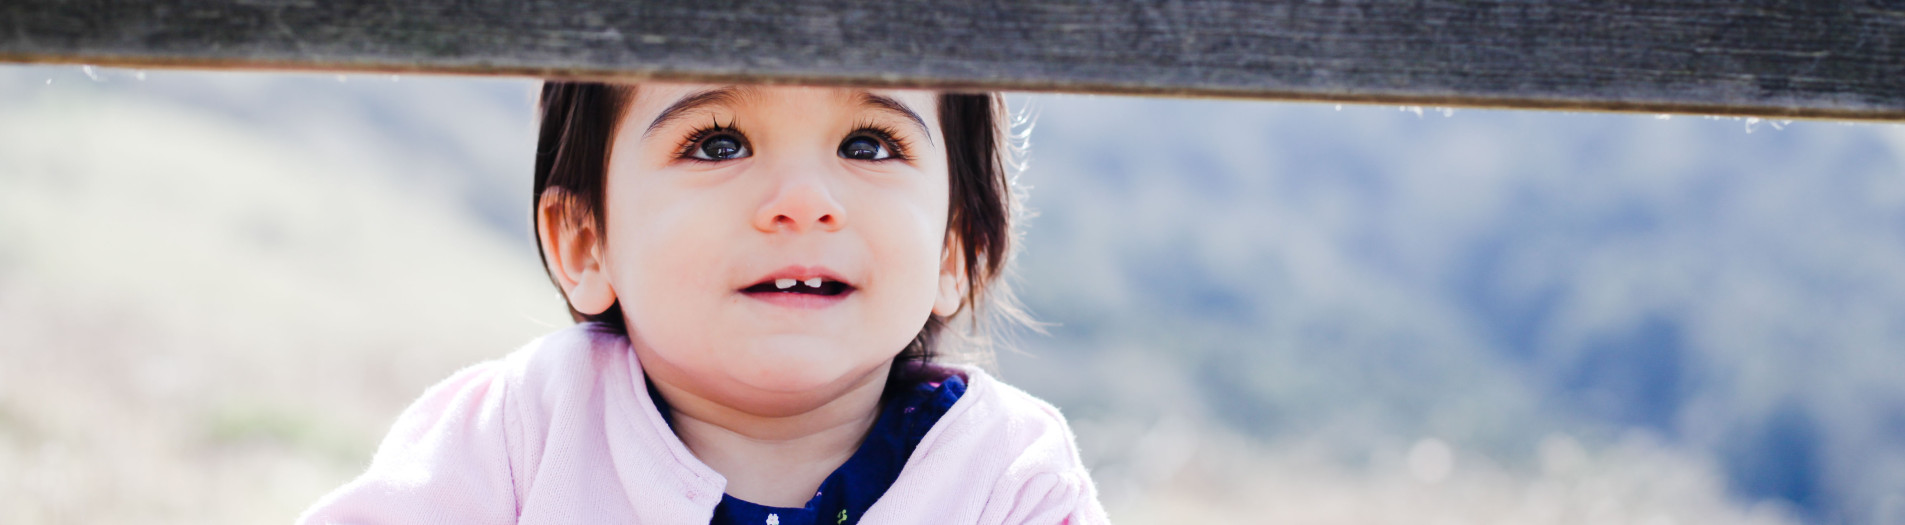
907,412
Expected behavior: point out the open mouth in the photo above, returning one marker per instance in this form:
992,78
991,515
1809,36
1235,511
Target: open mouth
810,286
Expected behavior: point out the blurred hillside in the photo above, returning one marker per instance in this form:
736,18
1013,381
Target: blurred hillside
217,289
1733,290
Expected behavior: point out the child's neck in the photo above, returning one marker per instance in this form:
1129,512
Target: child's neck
777,460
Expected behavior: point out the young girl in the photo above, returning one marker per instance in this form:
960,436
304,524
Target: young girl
762,277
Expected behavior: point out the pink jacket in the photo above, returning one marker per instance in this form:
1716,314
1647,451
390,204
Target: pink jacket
563,431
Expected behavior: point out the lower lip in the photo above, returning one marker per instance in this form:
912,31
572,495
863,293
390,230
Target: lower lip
799,300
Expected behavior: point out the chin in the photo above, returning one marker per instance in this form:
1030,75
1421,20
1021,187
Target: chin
805,365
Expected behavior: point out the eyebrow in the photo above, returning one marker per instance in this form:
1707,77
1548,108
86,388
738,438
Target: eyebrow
868,98
727,95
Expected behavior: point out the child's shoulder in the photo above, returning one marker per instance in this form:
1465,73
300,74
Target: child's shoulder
1002,422
531,379
552,364
531,382
1000,434
996,406
531,437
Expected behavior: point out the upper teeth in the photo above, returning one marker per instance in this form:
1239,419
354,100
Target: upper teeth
785,283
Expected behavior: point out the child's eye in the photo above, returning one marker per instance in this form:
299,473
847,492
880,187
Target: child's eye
862,147
718,146
873,142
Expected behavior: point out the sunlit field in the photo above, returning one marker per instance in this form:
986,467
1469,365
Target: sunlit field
218,290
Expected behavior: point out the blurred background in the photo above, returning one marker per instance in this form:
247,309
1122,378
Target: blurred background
218,289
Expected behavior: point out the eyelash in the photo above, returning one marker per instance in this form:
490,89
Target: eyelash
895,145
686,150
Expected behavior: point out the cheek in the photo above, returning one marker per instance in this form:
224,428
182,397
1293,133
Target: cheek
661,253
906,227
908,241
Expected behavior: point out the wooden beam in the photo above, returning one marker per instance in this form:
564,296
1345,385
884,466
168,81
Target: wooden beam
1770,58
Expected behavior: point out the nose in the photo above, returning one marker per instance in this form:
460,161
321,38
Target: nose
801,202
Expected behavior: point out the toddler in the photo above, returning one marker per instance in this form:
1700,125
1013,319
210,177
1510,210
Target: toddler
763,278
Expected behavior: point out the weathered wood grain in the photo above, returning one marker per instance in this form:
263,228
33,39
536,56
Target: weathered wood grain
1770,58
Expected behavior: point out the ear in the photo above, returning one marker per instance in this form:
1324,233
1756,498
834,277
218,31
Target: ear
572,246
952,280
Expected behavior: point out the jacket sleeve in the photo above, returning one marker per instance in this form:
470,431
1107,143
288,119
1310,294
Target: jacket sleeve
446,460
1056,498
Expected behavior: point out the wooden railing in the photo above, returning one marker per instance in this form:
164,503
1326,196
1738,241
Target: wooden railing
1786,59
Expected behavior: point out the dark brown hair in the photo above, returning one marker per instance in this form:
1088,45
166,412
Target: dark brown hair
578,125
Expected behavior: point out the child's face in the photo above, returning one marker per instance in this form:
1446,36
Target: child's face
719,197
